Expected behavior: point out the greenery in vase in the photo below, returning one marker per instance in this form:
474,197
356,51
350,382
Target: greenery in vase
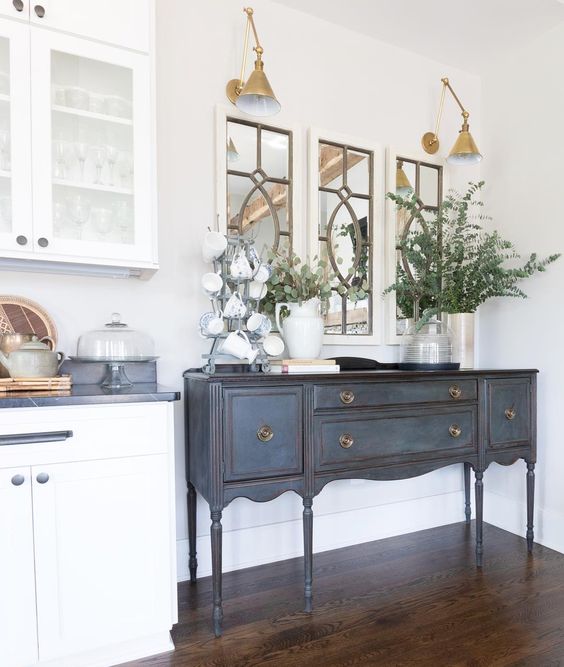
294,281
456,264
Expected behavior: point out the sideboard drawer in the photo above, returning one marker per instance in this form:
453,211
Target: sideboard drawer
263,433
509,412
375,394
347,441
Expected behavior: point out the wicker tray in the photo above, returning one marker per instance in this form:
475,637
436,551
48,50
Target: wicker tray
59,383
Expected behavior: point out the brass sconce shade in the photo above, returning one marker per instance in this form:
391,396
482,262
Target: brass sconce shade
256,96
403,186
464,150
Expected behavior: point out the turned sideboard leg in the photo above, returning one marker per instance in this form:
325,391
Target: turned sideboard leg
467,506
217,614
479,489
308,553
192,506
530,504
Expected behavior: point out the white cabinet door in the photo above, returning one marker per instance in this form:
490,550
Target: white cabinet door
122,22
15,139
92,150
102,553
15,9
18,635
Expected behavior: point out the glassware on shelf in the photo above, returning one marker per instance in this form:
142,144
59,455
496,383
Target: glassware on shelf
81,152
112,154
99,158
77,98
97,103
123,217
79,208
60,218
6,213
125,166
102,220
118,106
62,152
59,98
4,149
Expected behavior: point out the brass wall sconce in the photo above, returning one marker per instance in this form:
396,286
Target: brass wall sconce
464,150
254,97
403,185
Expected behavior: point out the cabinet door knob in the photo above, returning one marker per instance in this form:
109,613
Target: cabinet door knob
42,242
347,397
39,10
19,5
265,433
18,480
455,391
42,478
510,413
455,430
346,441
21,240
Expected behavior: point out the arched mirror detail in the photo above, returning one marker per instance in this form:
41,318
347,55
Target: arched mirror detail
259,184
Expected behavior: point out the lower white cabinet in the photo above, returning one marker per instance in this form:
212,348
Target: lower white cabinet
87,565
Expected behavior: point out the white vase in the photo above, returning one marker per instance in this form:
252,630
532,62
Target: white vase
462,327
302,329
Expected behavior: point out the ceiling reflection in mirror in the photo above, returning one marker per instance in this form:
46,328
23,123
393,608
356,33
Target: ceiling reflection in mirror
259,184
344,233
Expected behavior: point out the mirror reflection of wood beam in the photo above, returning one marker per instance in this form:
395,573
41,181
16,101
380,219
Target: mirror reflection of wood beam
331,163
259,208
354,316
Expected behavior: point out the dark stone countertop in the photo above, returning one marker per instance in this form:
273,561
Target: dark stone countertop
90,394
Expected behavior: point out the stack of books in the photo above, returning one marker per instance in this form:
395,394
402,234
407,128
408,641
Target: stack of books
300,366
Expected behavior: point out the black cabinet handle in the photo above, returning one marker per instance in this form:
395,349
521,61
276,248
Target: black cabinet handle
18,480
40,11
42,478
21,240
43,242
19,5
34,438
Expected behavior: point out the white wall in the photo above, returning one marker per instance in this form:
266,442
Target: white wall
523,145
327,77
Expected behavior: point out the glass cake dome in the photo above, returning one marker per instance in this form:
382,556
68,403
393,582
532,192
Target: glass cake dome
115,341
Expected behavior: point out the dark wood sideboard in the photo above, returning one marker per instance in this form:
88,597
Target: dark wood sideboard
257,436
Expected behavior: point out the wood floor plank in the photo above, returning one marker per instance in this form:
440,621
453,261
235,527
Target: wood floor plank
414,600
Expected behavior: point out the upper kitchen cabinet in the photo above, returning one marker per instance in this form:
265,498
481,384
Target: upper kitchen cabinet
15,9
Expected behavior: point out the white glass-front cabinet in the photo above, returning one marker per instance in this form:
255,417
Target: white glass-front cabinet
91,138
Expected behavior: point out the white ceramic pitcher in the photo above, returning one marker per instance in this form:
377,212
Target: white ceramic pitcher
302,329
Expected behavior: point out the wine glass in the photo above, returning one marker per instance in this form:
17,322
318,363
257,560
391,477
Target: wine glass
126,169
81,152
102,220
123,217
112,154
5,150
61,151
79,211
99,158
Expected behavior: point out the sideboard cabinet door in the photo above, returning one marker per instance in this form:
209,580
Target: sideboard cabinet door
102,552
18,635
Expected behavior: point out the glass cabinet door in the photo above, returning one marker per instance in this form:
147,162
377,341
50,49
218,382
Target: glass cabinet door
15,146
92,150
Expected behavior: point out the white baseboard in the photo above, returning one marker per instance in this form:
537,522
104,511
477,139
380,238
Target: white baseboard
511,515
257,545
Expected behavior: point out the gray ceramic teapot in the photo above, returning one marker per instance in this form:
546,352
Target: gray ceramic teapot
32,360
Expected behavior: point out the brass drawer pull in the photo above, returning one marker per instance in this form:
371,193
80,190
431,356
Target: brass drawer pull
455,391
455,430
347,397
510,413
346,441
265,433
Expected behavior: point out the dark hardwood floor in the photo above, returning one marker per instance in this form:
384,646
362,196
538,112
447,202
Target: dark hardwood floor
411,600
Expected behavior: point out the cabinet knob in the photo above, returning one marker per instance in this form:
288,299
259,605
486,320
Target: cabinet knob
18,5
510,413
455,391
346,441
347,397
39,10
42,478
265,433
42,242
18,480
455,430
21,240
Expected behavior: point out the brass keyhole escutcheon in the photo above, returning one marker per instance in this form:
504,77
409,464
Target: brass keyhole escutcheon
455,430
347,397
455,391
510,413
265,433
346,441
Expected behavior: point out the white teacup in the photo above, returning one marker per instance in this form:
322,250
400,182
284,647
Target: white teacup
213,246
237,345
259,324
263,273
235,307
211,324
257,290
212,283
240,267
273,346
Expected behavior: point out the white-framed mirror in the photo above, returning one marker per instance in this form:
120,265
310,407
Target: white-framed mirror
346,222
